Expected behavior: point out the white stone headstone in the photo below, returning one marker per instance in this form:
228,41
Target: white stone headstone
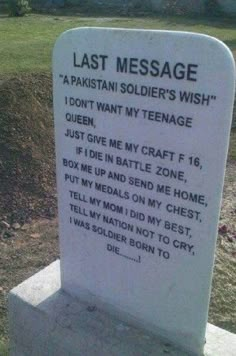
142,121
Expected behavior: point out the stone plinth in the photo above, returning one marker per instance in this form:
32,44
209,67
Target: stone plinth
44,320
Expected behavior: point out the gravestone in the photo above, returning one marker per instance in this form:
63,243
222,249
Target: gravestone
142,122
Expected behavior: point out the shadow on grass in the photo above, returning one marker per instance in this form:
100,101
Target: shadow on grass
217,22
101,11
3,16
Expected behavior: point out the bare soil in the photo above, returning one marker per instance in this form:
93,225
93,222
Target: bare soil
27,188
223,297
28,198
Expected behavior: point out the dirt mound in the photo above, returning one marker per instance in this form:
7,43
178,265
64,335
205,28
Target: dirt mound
27,166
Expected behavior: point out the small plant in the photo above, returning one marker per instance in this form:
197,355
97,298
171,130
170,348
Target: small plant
18,7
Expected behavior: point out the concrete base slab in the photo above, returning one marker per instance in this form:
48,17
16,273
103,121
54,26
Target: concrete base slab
46,321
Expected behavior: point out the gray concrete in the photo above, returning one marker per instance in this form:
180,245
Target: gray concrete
44,320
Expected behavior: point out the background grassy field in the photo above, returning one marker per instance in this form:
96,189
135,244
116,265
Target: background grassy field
26,43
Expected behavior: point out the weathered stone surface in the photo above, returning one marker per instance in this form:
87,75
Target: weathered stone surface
155,233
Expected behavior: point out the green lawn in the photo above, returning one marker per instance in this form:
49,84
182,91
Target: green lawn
3,348
26,43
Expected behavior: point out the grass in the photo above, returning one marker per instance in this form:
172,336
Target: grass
3,348
232,146
26,43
